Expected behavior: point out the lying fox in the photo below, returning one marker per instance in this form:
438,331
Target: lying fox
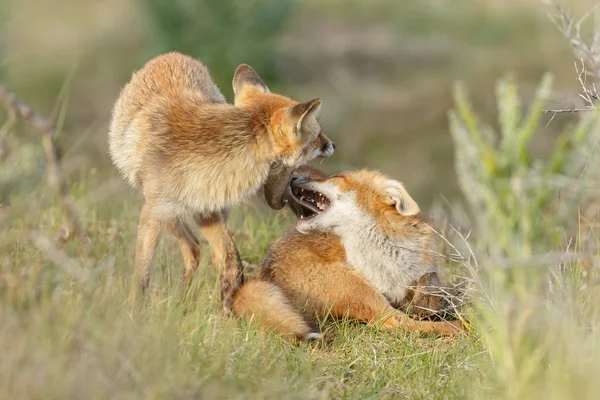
174,137
360,250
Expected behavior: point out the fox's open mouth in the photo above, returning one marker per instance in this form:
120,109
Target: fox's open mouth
311,203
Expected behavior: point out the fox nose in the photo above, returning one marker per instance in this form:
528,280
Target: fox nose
328,147
298,180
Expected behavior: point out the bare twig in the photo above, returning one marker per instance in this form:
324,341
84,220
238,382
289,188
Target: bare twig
5,129
586,50
55,175
8,125
555,112
60,258
568,110
589,92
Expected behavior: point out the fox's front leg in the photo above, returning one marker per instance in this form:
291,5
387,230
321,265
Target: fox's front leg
224,254
402,321
425,297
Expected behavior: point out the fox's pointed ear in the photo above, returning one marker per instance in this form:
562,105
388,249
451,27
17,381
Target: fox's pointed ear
245,77
305,115
398,197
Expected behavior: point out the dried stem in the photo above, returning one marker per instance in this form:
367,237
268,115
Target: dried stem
11,118
55,175
586,50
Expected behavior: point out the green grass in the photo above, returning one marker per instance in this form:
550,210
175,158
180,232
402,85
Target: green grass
74,333
69,329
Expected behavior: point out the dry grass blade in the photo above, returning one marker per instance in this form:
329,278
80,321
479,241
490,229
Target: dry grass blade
59,258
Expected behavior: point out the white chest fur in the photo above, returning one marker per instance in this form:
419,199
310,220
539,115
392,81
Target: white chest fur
389,264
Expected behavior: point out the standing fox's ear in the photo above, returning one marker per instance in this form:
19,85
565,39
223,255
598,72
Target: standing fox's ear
305,115
398,197
246,77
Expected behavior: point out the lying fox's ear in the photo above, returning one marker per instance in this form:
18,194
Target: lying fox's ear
398,197
245,78
305,116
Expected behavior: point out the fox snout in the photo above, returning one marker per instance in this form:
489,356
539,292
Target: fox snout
309,172
321,147
327,149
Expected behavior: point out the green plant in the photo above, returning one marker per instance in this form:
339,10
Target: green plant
539,316
514,196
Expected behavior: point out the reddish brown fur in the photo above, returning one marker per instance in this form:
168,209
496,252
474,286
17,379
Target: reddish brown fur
191,154
312,270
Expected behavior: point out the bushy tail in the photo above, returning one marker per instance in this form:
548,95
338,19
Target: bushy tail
265,303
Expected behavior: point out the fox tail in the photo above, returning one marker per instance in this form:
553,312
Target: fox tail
266,304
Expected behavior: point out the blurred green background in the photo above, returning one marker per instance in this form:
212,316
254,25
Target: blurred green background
386,72
383,68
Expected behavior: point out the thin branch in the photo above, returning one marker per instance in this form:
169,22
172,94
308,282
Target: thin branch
60,258
588,52
11,118
11,102
55,175
568,110
555,112
8,125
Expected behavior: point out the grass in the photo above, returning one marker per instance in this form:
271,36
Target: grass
69,330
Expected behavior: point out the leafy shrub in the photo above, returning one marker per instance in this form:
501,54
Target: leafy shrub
512,195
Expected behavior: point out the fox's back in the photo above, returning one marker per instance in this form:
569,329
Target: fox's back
173,73
174,136
169,75
164,80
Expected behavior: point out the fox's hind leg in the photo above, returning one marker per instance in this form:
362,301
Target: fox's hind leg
216,253
149,230
190,249
224,255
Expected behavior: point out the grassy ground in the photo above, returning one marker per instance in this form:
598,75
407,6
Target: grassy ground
67,327
69,330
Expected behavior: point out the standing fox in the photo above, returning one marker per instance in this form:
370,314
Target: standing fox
360,249
174,137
